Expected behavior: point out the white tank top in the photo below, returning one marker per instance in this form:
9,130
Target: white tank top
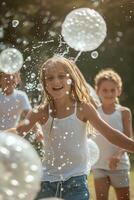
107,149
66,150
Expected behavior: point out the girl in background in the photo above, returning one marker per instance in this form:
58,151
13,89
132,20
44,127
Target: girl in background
65,115
112,168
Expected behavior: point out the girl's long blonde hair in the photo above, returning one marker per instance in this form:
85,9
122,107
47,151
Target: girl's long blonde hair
80,91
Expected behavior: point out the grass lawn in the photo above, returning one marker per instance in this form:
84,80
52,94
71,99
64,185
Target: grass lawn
112,194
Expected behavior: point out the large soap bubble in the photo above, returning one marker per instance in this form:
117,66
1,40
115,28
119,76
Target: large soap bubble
93,152
11,60
20,168
84,29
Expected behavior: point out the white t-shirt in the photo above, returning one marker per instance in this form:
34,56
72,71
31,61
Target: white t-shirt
11,107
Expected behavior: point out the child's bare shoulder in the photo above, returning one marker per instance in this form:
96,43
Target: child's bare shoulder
125,111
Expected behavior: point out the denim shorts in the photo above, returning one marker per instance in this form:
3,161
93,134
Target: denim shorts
117,178
75,188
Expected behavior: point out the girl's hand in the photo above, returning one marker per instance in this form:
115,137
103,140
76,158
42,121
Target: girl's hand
113,162
115,159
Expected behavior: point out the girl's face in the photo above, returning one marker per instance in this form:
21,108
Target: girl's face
57,81
108,92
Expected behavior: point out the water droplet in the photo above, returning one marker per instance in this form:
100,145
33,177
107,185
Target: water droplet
94,54
15,23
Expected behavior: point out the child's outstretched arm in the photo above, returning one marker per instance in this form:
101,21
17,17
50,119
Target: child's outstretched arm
127,130
28,123
113,135
24,126
127,122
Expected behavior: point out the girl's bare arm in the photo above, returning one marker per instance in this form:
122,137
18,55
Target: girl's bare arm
113,135
127,126
29,122
127,122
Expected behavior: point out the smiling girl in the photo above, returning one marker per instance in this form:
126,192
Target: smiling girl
65,115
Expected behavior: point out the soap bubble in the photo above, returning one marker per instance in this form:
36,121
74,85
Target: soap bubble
11,60
15,23
20,168
94,54
84,29
93,152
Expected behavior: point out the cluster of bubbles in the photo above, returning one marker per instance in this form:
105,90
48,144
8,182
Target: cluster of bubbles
84,29
20,171
11,60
